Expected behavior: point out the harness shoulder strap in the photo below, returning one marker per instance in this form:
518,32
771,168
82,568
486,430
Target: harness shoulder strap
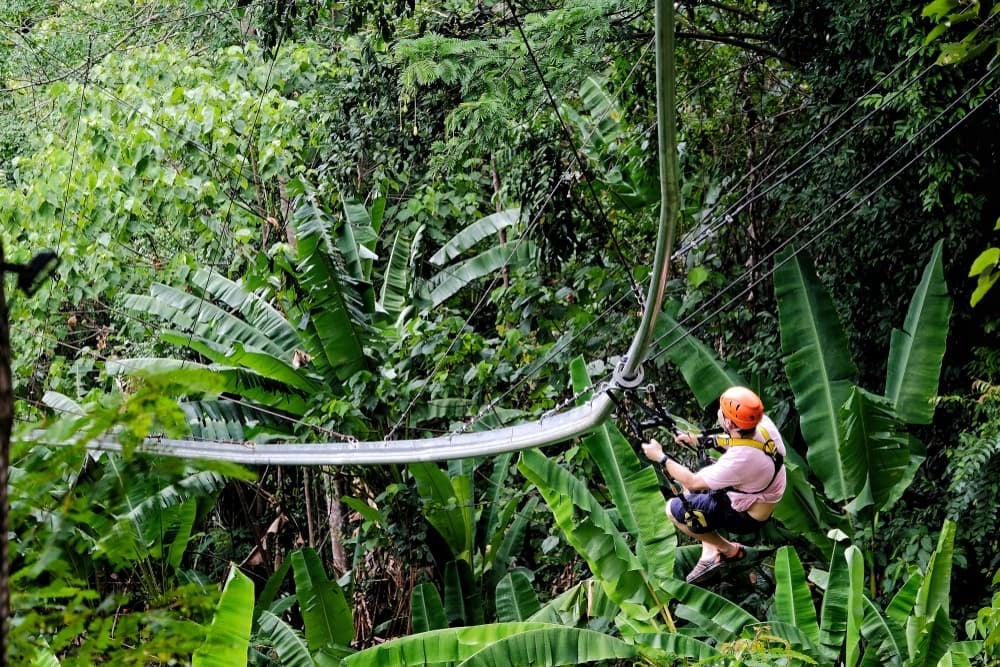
768,447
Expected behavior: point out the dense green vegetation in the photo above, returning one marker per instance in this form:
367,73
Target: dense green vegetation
309,221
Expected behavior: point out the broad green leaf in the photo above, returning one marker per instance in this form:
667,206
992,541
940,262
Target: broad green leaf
474,233
713,615
454,277
875,456
426,610
288,644
834,609
935,590
855,604
452,646
550,647
450,516
818,364
589,528
886,638
228,639
933,639
325,611
916,352
463,605
701,367
516,598
793,603
634,489
336,310
679,645
271,588
397,281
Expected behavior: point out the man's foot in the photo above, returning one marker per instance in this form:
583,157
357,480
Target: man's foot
703,568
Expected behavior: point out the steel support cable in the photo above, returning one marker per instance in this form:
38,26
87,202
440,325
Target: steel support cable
860,202
549,429
737,207
584,169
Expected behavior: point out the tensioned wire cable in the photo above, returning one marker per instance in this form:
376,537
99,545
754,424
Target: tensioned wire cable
860,202
707,304
743,203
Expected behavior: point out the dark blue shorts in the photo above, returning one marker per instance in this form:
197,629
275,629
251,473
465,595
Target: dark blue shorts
707,511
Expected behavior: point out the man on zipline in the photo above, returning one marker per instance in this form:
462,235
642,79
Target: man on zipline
737,493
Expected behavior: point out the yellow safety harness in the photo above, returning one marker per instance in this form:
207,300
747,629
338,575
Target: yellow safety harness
768,447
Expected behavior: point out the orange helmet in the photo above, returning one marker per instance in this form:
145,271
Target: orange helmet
741,406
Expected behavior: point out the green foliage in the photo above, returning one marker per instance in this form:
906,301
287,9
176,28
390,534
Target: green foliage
101,558
228,638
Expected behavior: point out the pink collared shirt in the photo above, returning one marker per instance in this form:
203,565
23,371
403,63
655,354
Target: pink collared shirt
748,469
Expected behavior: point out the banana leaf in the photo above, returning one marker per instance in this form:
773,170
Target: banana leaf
397,282
325,611
474,233
585,604
833,610
337,314
550,647
255,310
426,610
886,638
855,604
228,640
634,488
875,455
529,643
287,643
516,598
589,528
713,615
935,590
450,516
819,367
701,367
916,351
793,603
454,277
463,605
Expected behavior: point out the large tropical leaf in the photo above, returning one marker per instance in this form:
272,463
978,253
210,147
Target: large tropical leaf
228,640
584,605
793,603
504,643
454,277
855,604
325,612
886,638
426,610
802,509
287,642
713,615
634,488
397,282
590,529
819,367
874,454
833,611
917,350
474,233
701,367
516,598
463,604
443,509
201,316
549,647
337,315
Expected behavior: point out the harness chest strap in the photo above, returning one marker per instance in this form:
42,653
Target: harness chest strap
768,447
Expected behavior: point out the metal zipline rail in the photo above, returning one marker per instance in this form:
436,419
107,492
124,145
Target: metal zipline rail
549,429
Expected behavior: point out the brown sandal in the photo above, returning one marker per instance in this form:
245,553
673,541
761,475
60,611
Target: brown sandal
705,567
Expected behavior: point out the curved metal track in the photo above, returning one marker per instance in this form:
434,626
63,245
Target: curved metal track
545,431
